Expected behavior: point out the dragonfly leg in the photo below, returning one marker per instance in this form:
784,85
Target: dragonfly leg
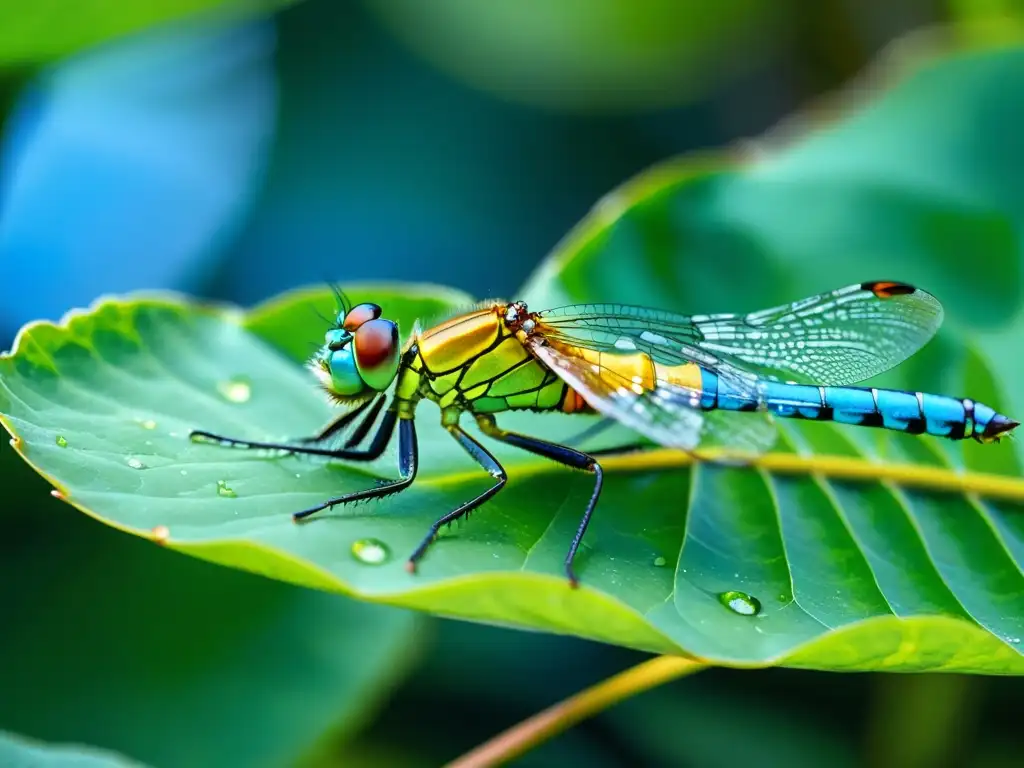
482,457
408,460
563,455
307,445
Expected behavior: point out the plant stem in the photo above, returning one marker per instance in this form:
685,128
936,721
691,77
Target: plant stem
923,721
552,721
944,479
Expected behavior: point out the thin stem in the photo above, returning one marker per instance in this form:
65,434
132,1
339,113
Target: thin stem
835,467
850,468
547,724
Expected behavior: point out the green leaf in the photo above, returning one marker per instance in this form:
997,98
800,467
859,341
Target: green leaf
44,30
878,573
110,641
588,55
17,752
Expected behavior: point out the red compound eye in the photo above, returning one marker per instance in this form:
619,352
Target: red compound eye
360,314
377,351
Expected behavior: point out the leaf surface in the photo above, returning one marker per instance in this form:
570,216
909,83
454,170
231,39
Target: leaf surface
839,553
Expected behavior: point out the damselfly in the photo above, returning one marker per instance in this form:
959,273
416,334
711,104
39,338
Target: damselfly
682,382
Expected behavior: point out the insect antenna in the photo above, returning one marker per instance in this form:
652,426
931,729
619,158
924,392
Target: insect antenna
329,321
344,304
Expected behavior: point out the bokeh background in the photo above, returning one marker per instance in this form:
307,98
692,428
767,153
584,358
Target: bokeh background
238,151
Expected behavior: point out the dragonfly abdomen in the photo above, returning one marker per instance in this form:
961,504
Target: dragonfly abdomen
911,412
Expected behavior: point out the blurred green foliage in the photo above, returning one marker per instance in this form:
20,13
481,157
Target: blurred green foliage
112,641
47,29
590,54
382,167
24,753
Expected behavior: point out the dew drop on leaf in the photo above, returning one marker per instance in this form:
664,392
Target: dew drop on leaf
135,463
57,494
237,390
370,551
146,423
660,562
161,534
223,489
62,442
740,602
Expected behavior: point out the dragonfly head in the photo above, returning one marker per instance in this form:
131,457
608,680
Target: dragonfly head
360,355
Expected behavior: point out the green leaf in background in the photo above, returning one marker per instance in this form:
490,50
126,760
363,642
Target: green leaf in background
108,640
589,54
43,30
921,184
16,752
22,753
736,566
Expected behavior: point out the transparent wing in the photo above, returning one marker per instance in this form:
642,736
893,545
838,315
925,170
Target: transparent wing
840,337
666,413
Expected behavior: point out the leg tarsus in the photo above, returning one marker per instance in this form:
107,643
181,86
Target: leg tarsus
482,457
408,461
563,455
302,445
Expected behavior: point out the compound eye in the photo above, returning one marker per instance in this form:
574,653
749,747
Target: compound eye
345,379
377,352
360,314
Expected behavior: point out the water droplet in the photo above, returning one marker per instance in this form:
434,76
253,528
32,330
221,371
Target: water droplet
62,442
237,390
135,463
740,602
223,489
783,598
660,562
298,475
146,423
370,551
15,442
1014,640
57,494
161,534
184,472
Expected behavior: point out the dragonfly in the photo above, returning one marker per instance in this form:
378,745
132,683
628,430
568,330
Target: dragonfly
682,382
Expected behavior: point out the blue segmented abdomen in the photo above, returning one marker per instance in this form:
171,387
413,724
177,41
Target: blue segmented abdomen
912,412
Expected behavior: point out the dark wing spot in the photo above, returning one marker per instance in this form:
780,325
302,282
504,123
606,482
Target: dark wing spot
359,314
885,289
376,341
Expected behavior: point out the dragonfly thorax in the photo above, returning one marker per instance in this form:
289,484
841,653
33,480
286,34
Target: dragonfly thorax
519,318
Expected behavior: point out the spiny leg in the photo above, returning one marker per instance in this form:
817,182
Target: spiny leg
362,429
408,460
563,455
307,445
482,457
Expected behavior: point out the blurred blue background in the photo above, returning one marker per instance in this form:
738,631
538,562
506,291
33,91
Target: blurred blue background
237,160
237,156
